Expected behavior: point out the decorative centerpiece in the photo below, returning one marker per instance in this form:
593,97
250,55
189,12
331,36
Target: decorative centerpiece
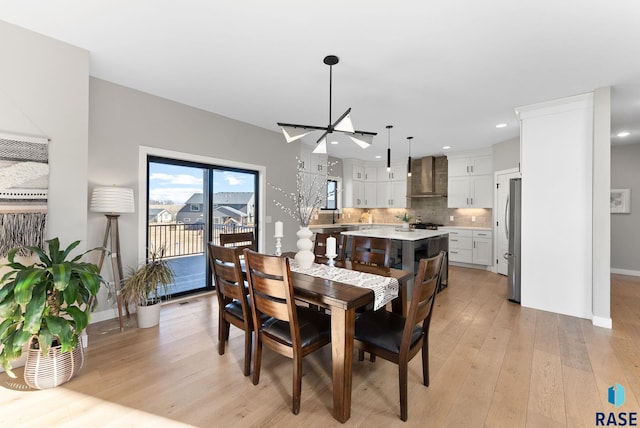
311,194
405,218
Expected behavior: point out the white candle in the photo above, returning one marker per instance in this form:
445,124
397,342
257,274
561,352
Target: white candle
279,229
331,246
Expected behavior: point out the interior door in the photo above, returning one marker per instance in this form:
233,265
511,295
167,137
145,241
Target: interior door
501,232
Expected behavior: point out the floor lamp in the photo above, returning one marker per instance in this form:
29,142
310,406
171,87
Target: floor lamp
113,201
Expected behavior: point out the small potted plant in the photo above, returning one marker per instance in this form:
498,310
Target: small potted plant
405,218
146,285
45,308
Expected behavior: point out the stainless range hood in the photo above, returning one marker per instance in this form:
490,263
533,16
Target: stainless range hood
428,177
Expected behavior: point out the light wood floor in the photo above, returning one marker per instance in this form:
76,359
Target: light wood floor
493,364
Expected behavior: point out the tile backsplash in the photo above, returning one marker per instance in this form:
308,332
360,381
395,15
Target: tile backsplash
428,210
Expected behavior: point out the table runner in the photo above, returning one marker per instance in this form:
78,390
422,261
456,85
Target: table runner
384,288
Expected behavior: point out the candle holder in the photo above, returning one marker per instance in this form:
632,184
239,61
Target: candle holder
331,262
278,244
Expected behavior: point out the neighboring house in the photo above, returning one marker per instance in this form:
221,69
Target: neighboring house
238,207
159,215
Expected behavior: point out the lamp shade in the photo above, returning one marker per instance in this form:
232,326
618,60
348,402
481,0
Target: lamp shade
116,200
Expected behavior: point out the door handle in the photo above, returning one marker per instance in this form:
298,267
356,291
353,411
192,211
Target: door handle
507,256
506,221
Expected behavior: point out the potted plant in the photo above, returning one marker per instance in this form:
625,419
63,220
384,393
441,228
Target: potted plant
146,285
45,306
405,218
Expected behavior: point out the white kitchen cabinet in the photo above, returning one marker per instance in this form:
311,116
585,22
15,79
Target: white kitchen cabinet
398,172
470,182
392,186
470,192
312,162
392,194
370,174
482,248
370,195
469,165
470,246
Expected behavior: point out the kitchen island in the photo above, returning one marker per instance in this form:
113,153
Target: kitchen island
415,244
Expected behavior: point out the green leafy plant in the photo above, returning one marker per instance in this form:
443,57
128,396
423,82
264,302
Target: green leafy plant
145,285
48,300
404,217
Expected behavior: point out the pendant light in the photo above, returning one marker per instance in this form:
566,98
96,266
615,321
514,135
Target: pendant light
409,161
389,147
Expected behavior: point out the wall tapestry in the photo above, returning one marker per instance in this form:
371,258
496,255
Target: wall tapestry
24,184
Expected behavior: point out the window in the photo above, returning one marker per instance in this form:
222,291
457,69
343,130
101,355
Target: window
195,207
333,195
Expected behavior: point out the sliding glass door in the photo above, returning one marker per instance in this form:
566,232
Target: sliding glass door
190,204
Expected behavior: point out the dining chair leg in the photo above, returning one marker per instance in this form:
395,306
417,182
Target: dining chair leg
425,361
247,352
257,359
360,355
223,333
402,378
297,383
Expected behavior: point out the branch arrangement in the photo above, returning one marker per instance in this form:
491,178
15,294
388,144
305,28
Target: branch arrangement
310,194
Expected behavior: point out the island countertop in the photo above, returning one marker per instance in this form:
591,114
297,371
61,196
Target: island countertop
397,233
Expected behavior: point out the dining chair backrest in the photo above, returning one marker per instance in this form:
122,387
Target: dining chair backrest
233,305
370,254
320,245
423,297
239,240
271,289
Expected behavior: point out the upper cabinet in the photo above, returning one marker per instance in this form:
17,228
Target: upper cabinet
470,179
470,165
311,162
370,185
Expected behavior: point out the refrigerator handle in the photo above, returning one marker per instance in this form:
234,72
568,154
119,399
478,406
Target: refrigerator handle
506,221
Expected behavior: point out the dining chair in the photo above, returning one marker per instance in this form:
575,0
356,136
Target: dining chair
291,330
370,254
398,339
239,240
233,305
320,246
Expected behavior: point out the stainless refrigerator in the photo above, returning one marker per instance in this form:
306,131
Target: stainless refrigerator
514,204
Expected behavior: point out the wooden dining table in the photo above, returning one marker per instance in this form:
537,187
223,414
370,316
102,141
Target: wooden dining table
343,300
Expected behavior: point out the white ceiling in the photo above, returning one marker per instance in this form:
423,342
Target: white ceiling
445,71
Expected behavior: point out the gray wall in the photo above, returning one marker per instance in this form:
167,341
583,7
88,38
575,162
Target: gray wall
44,88
123,119
625,233
506,155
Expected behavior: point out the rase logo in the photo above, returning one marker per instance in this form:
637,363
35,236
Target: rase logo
615,397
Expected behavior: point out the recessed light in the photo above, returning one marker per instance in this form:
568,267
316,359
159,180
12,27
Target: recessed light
378,157
446,147
501,125
334,142
624,134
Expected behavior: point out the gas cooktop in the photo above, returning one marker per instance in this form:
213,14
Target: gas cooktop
428,226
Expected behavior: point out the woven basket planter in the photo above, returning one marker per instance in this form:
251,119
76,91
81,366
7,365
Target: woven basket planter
53,369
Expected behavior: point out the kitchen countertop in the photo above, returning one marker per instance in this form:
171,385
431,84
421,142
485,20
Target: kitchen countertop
392,233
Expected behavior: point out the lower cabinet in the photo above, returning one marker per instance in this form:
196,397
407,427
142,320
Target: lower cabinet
470,246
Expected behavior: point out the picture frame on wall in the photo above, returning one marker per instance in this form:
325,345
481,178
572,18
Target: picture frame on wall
620,201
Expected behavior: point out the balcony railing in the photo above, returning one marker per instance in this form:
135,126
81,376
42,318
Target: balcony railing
187,239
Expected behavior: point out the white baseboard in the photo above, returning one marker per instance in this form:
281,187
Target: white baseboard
602,322
626,272
472,266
